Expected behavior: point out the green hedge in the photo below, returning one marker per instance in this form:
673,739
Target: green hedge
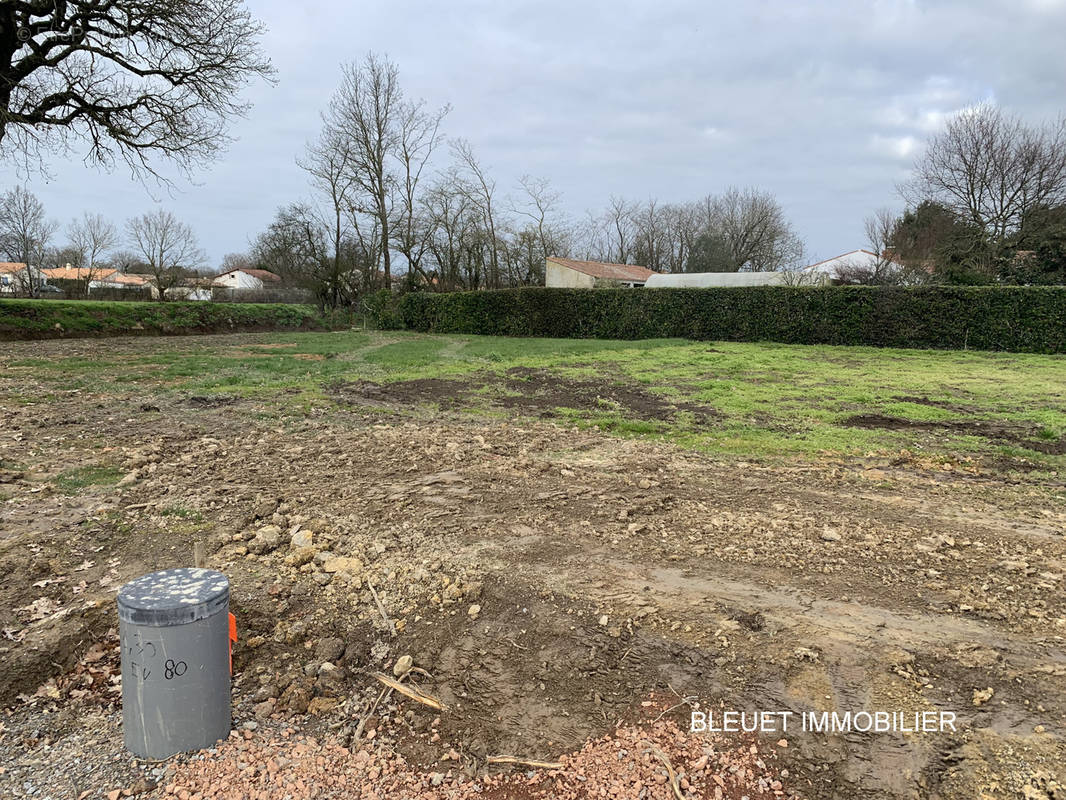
1022,319
49,319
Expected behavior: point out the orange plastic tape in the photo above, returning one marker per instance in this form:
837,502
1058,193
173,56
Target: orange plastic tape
232,639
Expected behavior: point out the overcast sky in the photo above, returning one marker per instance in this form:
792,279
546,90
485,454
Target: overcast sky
825,104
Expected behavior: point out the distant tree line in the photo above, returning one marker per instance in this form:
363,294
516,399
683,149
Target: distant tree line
394,205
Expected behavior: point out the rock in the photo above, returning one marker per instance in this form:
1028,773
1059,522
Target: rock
830,535
982,696
644,483
129,477
473,611
329,649
266,539
268,691
403,665
300,557
436,778
264,709
265,508
343,564
321,578
296,698
322,705
604,620
323,556
301,539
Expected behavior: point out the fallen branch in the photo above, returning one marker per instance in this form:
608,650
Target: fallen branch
410,691
659,754
525,762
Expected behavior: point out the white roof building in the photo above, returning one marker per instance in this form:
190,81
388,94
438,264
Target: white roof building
855,262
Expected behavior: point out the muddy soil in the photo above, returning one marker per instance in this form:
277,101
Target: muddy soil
993,431
531,391
551,585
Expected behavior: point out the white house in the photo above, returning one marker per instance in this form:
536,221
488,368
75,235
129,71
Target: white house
856,262
246,279
704,280
17,278
566,273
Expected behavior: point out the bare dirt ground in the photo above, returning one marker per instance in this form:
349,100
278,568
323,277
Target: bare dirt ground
567,596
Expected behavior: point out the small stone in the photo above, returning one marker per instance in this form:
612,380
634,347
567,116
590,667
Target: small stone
644,483
298,558
301,539
266,539
403,665
329,648
264,709
982,696
322,705
348,564
604,620
830,535
473,611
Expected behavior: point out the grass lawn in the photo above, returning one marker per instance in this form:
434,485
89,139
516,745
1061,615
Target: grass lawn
761,400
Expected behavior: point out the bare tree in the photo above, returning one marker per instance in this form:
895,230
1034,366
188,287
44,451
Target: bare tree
25,234
989,169
232,261
480,190
330,161
547,233
419,135
753,225
130,78
167,245
92,237
365,114
454,230
621,233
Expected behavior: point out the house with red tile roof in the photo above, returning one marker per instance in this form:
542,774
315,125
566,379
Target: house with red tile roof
567,273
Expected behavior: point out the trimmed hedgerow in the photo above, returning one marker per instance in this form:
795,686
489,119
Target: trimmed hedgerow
50,319
1021,319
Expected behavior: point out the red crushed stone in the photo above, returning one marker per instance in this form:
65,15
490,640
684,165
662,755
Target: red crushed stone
622,764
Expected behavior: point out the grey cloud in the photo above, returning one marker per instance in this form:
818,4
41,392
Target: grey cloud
823,103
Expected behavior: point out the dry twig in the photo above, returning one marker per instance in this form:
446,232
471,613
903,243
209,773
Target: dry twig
381,608
410,691
659,754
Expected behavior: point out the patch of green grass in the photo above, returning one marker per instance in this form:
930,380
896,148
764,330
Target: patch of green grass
73,480
181,513
759,400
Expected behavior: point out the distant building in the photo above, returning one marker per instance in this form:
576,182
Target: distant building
17,278
84,279
705,280
849,266
240,278
566,273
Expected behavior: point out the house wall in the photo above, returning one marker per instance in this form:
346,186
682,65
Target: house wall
560,277
702,280
239,280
